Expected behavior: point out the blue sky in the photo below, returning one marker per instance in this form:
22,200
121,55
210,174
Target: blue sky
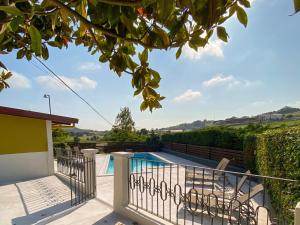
257,71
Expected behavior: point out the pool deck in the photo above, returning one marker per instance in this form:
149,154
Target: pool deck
105,186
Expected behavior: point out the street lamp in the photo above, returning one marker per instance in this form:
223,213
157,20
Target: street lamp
49,99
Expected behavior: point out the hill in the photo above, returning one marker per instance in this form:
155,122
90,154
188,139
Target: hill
285,114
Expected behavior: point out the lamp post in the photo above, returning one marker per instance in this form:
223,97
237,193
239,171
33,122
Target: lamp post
49,99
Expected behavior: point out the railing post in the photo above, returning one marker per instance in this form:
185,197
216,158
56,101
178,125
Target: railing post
90,171
297,214
121,178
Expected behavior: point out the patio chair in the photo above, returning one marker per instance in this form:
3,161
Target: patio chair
216,175
238,209
219,193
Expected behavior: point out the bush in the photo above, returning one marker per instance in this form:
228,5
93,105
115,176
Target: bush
214,137
249,150
278,155
117,135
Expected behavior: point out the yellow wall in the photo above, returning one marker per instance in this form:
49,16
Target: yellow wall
22,135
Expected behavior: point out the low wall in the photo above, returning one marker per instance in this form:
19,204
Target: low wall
236,157
24,166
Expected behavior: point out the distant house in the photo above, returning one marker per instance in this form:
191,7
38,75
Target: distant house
26,149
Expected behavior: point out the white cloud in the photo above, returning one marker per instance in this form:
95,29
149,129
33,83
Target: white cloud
214,48
89,66
19,81
188,96
218,79
230,81
81,83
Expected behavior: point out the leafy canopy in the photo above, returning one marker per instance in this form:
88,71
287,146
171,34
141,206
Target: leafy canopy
113,29
124,121
60,136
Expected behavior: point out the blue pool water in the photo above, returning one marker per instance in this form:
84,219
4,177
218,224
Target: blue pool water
138,162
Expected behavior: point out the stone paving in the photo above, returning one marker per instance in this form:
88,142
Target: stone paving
47,201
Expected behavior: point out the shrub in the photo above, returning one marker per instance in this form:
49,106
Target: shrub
117,135
249,150
278,155
214,137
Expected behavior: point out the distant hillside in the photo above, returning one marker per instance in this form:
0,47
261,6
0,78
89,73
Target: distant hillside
74,131
187,126
286,113
287,110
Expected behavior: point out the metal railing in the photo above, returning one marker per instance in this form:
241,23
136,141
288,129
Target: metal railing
81,173
184,194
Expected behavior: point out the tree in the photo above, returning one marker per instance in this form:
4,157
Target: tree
60,136
76,139
143,131
124,121
113,29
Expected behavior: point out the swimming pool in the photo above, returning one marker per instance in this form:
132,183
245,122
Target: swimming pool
138,162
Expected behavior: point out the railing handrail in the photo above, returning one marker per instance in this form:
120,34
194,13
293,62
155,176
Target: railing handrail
225,171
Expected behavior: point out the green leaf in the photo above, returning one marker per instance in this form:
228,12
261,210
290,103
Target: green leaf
53,20
222,34
245,3
53,43
297,5
178,53
137,92
14,24
93,2
28,55
2,65
155,75
36,40
6,76
242,15
104,58
153,84
128,23
163,35
144,56
21,53
143,106
165,8
11,10
45,53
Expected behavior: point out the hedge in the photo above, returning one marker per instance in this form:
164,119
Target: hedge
278,155
214,137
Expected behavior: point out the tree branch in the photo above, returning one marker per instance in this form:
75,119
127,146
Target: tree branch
97,43
105,31
122,2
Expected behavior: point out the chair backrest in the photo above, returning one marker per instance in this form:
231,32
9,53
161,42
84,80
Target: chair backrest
222,165
247,196
241,182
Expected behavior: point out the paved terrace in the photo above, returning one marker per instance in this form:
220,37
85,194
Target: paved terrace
47,201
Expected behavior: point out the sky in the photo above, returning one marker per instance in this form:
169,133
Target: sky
255,72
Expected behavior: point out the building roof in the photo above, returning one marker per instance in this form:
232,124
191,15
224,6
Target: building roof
37,115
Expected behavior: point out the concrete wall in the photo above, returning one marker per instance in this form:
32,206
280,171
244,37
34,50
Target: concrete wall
25,148
23,166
